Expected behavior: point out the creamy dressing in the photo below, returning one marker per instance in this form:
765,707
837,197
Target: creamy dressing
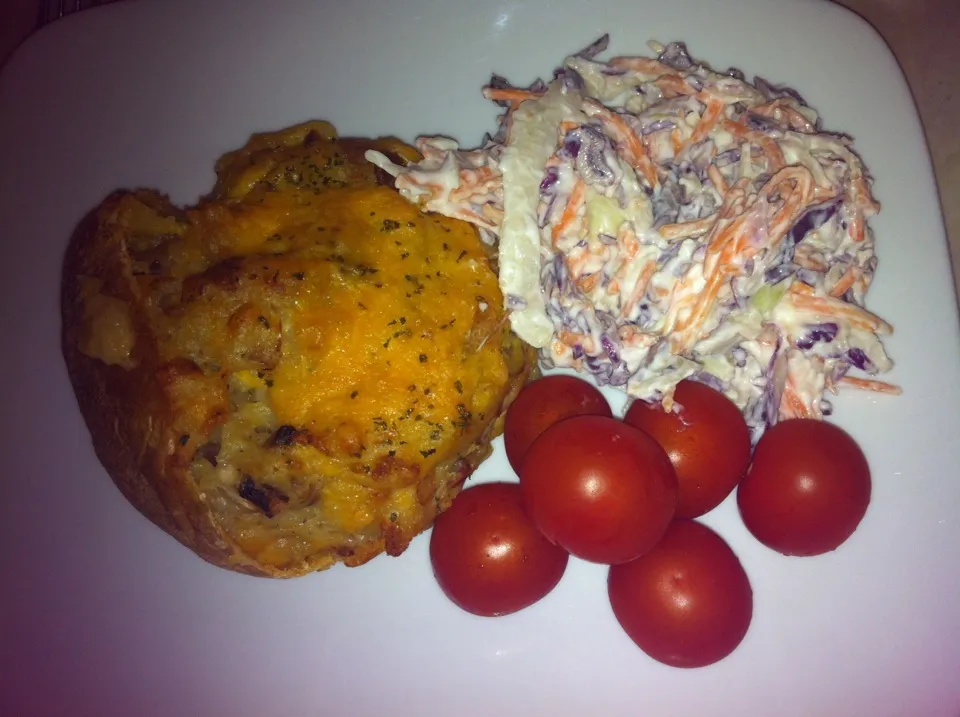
659,222
531,141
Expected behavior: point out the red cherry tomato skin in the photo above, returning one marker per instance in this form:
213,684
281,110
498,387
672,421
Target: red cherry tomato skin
487,555
708,443
687,602
543,403
807,488
599,488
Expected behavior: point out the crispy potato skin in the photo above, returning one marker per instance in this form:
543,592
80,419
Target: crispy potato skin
130,419
249,394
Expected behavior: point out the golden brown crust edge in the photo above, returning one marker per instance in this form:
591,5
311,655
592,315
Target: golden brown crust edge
132,424
128,416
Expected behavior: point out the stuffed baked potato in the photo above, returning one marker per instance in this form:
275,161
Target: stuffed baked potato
301,369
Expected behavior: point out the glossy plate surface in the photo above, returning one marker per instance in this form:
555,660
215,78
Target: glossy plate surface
105,615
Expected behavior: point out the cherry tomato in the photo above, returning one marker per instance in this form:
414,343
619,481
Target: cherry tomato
599,488
707,441
687,602
487,555
807,489
542,403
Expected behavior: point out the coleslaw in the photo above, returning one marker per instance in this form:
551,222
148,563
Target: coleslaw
657,220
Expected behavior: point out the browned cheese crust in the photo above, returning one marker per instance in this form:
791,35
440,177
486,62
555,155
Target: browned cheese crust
300,370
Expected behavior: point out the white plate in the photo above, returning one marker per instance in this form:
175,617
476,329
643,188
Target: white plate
105,615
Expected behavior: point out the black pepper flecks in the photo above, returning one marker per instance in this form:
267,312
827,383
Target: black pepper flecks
464,417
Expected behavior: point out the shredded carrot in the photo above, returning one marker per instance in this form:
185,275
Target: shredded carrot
828,306
571,211
643,65
632,336
673,85
510,94
629,242
576,265
811,262
719,181
780,111
791,405
678,299
871,385
767,145
624,134
708,120
779,170
862,195
468,215
730,241
688,330
589,282
845,282
571,338
475,182
795,186
808,258
734,200
677,140
862,284
692,228
646,274
857,226
724,235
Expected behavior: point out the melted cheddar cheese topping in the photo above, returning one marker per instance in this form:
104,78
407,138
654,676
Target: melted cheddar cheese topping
359,343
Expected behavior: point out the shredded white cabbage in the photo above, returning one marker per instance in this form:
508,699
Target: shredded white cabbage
658,221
